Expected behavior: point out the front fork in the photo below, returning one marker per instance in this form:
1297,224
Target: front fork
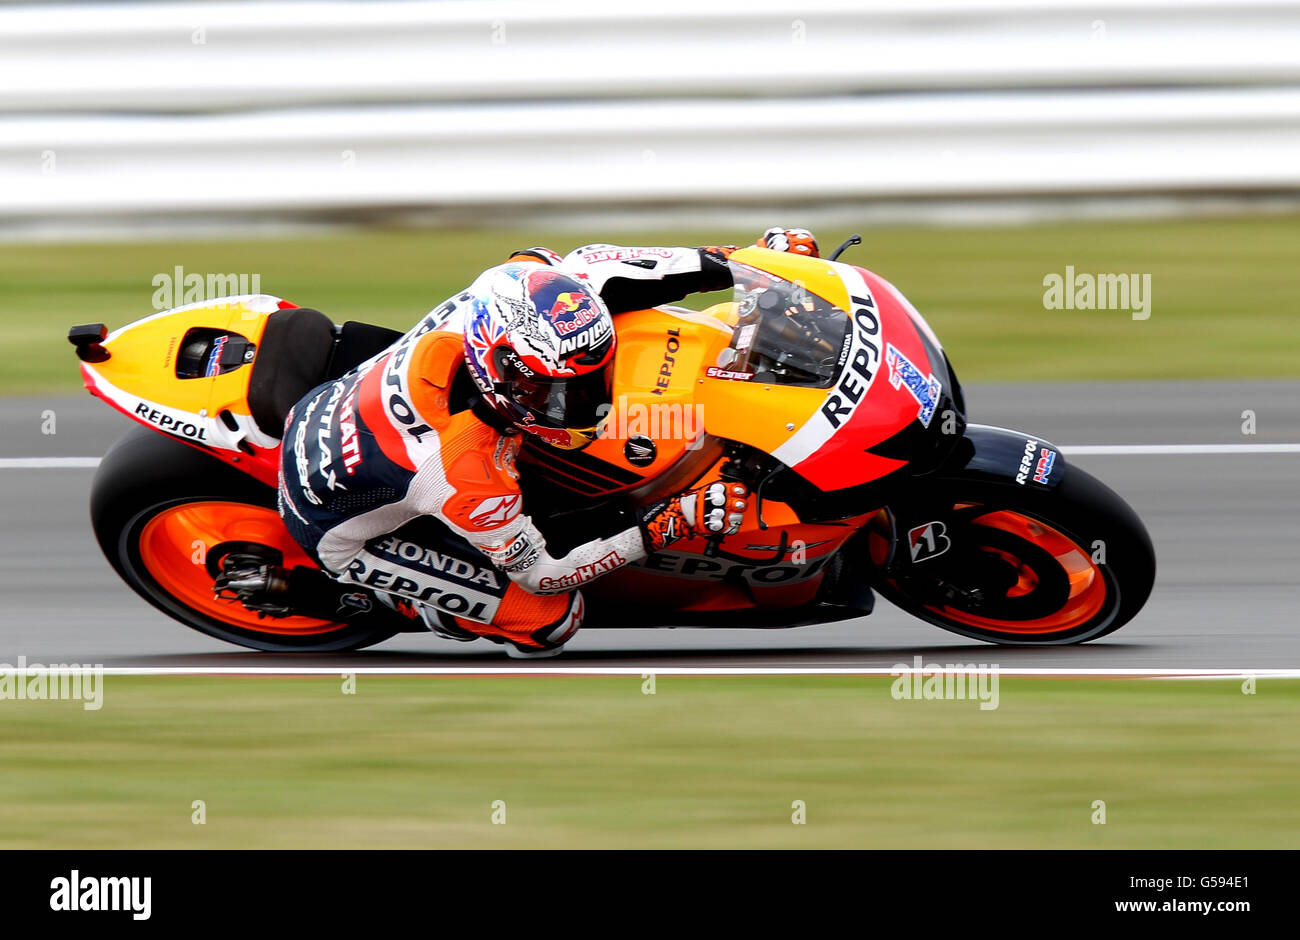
923,531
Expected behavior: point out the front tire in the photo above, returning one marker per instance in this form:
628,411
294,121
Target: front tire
1024,564
163,512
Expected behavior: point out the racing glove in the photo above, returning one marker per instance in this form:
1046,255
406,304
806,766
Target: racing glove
714,509
797,241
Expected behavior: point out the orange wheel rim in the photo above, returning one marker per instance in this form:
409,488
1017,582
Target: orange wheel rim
1087,584
173,548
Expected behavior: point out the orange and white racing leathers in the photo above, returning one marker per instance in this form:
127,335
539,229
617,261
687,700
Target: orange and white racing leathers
371,458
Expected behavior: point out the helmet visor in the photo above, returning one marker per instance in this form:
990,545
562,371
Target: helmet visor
574,402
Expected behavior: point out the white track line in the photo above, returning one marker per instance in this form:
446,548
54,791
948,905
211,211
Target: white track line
1080,450
344,669
1089,450
48,463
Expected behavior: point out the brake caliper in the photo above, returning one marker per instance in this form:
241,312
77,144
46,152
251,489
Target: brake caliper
255,583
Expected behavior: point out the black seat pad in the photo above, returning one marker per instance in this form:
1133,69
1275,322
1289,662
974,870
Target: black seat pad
292,359
357,343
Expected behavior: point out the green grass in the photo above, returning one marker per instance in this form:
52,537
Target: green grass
593,762
1225,291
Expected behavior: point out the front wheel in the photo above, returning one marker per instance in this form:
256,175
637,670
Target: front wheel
1015,563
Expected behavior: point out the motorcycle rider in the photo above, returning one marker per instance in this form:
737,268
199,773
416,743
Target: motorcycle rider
429,430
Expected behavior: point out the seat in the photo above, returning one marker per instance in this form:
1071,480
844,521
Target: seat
292,359
300,349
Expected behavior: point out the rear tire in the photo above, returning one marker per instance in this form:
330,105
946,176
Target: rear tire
1024,566
147,479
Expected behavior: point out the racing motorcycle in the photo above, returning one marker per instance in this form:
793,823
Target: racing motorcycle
817,384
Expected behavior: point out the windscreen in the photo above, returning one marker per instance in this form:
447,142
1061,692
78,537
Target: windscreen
784,334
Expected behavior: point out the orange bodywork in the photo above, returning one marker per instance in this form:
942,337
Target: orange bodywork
661,393
212,413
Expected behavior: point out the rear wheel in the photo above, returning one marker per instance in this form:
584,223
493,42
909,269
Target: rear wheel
165,515
1007,563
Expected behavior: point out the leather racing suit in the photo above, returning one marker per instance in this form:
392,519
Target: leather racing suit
396,477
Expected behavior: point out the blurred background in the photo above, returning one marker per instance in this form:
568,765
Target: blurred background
166,117
370,158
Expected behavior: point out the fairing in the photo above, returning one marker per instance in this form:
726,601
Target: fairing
158,375
881,399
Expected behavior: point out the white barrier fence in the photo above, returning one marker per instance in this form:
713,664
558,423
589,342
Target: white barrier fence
127,110
588,153
177,56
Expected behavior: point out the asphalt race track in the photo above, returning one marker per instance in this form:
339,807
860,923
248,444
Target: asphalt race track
1225,528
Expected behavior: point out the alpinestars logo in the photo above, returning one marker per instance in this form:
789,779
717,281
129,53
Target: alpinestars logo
494,512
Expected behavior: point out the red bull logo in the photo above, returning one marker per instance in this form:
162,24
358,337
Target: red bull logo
572,311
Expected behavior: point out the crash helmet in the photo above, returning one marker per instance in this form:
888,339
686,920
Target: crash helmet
540,347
